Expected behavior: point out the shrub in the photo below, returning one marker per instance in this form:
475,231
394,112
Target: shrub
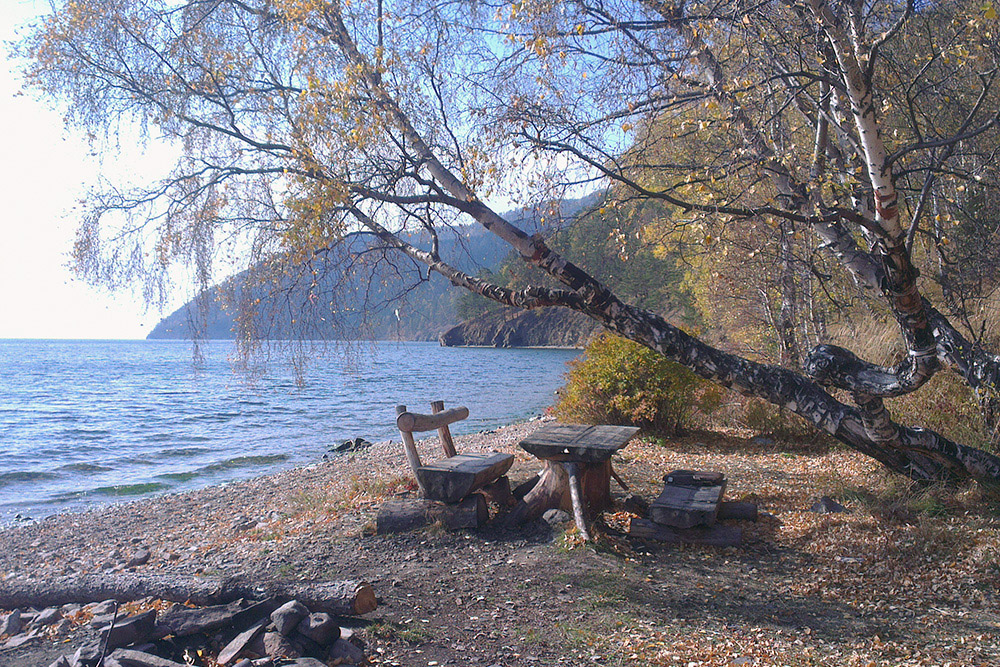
618,381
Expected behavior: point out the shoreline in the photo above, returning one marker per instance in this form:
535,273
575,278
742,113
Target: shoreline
97,501
155,423
185,528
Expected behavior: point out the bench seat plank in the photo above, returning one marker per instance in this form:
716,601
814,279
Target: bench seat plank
687,506
451,479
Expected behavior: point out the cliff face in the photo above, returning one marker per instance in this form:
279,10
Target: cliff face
544,327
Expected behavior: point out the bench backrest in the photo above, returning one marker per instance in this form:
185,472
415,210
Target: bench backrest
409,423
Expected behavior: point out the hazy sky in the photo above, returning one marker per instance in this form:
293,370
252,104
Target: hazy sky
42,175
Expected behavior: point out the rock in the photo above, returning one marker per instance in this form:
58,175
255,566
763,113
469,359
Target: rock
130,631
827,505
554,517
761,440
63,661
182,622
87,655
71,608
241,642
140,557
306,662
48,616
306,647
130,658
277,645
21,639
345,651
243,524
288,615
12,624
319,627
102,608
245,662
512,327
63,626
102,621
354,445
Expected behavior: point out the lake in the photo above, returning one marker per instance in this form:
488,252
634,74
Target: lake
84,423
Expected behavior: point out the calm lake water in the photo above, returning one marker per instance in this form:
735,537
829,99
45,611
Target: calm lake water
92,422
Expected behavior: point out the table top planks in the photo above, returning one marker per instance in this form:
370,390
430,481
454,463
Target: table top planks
577,442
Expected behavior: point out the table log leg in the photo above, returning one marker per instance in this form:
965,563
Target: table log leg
576,495
621,482
596,481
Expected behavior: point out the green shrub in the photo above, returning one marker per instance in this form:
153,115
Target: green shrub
621,382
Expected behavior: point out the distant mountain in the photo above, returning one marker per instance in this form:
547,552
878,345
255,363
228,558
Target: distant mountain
357,291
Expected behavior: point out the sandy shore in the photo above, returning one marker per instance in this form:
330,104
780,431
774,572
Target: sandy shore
231,528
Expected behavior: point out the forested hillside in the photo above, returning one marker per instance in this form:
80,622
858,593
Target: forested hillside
353,292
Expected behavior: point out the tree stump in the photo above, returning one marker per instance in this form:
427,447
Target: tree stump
554,491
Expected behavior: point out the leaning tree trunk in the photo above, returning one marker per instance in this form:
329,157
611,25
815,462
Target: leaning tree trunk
920,454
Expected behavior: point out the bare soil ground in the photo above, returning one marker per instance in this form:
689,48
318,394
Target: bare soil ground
906,578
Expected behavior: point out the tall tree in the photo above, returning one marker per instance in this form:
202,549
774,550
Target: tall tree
303,122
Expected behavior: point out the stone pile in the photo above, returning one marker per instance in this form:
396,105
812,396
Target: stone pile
239,634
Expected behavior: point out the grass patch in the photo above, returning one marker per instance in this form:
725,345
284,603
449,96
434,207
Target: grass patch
411,633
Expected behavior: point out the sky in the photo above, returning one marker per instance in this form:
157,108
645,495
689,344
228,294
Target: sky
43,174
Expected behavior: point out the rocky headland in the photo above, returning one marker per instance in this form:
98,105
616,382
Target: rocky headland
511,327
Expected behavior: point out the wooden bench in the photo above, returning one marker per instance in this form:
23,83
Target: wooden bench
457,475
687,510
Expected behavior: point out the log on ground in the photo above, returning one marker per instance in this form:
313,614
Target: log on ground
738,511
716,536
399,516
346,598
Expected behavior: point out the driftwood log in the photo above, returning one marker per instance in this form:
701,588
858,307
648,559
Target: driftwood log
399,516
343,598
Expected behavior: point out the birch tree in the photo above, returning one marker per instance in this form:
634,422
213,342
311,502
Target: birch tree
859,128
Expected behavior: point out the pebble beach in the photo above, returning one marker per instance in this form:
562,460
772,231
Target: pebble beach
231,528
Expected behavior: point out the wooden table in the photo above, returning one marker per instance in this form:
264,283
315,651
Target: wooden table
577,473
